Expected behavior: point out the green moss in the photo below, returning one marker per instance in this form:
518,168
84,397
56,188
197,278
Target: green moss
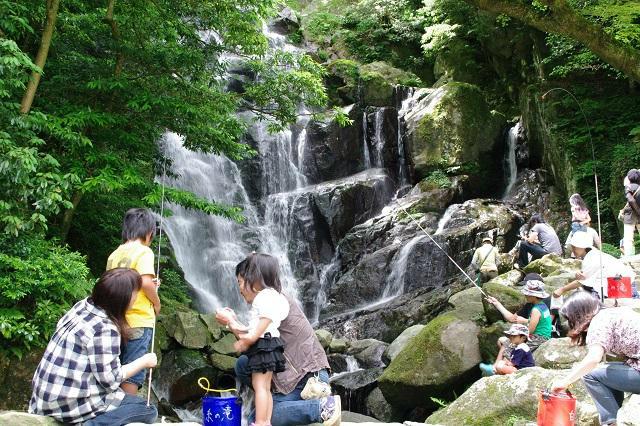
511,298
391,74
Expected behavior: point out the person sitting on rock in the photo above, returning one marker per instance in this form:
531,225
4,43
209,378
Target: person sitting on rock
307,363
519,357
539,320
484,261
596,267
541,240
80,375
604,331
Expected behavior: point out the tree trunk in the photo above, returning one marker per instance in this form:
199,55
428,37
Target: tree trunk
115,33
41,57
562,19
67,218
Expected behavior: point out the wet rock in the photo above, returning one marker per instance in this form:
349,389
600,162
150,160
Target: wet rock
337,363
378,407
324,337
441,358
368,352
16,418
223,362
382,138
437,195
401,342
488,340
15,379
189,330
179,373
224,346
354,388
286,22
558,354
215,329
452,126
497,399
511,298
338,346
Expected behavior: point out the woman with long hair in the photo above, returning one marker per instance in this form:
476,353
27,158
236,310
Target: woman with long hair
79,376
604,331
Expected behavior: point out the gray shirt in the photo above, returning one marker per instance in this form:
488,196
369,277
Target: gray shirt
548,238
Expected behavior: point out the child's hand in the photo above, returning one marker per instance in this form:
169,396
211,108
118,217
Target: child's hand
225,315
580,276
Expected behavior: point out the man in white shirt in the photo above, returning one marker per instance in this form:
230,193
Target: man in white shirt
484,260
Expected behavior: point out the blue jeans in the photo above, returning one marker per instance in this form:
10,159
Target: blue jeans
526,247
132,409
289,409
135,348
607,386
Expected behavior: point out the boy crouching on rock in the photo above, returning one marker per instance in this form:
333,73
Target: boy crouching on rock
519,357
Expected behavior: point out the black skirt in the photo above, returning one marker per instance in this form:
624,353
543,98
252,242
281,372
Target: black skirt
267,354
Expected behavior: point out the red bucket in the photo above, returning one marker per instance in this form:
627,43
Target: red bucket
619,287
556,409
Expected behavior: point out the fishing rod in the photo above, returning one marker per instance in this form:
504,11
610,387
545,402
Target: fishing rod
595,171
153,332
441,249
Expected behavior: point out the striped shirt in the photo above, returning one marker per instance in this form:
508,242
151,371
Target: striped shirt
80,374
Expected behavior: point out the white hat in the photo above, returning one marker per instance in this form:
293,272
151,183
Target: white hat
582,240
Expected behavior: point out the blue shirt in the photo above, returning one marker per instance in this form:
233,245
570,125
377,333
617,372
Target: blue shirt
521,357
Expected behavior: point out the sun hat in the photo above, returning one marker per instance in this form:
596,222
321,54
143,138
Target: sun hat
534,286
487,238
517,330
582,240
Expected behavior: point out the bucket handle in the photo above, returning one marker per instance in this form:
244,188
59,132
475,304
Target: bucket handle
204,383
546,393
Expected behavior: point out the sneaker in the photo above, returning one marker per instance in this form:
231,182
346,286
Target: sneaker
331,410
315,389
487,369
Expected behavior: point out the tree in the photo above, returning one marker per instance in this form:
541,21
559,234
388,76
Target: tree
565,17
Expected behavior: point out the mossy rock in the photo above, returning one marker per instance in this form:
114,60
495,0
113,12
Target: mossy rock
442,356
488,340
509,279
338,346
558,353
552,264
215,329
469,302
512,299
190,331
497,400
378,81
224,346
223,362
16,418
324,337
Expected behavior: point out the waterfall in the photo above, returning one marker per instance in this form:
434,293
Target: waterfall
406,104
365,145
379,140
395,281
327,275
444,220
511,168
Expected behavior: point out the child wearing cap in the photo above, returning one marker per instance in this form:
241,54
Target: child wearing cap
540,321
519,357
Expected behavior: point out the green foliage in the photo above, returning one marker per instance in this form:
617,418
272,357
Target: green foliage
438,179
39,281
174,291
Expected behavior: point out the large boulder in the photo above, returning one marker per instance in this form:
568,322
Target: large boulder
15,379
488,340
469,301
453,126
189,330
354,388
378,81
558,353
324,337
177,377
498,400
510,278
401,342
16,418
368,352
224,346
441,358
511,298
552,264
378,407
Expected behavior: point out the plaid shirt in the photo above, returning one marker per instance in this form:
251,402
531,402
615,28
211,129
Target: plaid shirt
79,375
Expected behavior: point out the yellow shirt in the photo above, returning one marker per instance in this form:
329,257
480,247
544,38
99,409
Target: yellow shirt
135,255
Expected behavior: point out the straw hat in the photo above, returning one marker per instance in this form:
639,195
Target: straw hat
534,286
582,240
517,330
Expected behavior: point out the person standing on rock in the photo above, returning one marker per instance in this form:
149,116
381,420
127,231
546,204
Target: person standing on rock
596,267
306,362
541,240
138,228
630,214
539,321
484,262
604,331
80,375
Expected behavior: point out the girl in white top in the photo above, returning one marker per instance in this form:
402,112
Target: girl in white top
261,342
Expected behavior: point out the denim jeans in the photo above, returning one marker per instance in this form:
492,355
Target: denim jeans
132,409
607,386
289,409
136,347
526,247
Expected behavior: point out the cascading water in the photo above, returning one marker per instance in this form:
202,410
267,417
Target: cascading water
379,139
406,104
446,217
365,145
395,281
511,168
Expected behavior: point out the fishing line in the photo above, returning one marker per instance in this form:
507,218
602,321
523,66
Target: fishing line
153,331
441,249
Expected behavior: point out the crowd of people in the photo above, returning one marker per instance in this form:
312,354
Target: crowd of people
97,358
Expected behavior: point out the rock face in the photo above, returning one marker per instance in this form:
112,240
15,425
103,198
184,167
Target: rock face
15,418
354,388
452,126
179,373
368,352
378,407
444,354
496,400
558,354
628,414
511,298
401,342
15,380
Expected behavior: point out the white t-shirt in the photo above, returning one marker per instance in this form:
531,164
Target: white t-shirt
270,304
610,268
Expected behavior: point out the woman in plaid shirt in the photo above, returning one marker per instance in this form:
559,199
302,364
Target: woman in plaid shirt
79,376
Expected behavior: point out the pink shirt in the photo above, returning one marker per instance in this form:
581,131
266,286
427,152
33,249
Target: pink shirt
617,330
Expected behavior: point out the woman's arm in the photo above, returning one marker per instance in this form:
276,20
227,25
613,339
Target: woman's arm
562,290
588,364
534,319
149,360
